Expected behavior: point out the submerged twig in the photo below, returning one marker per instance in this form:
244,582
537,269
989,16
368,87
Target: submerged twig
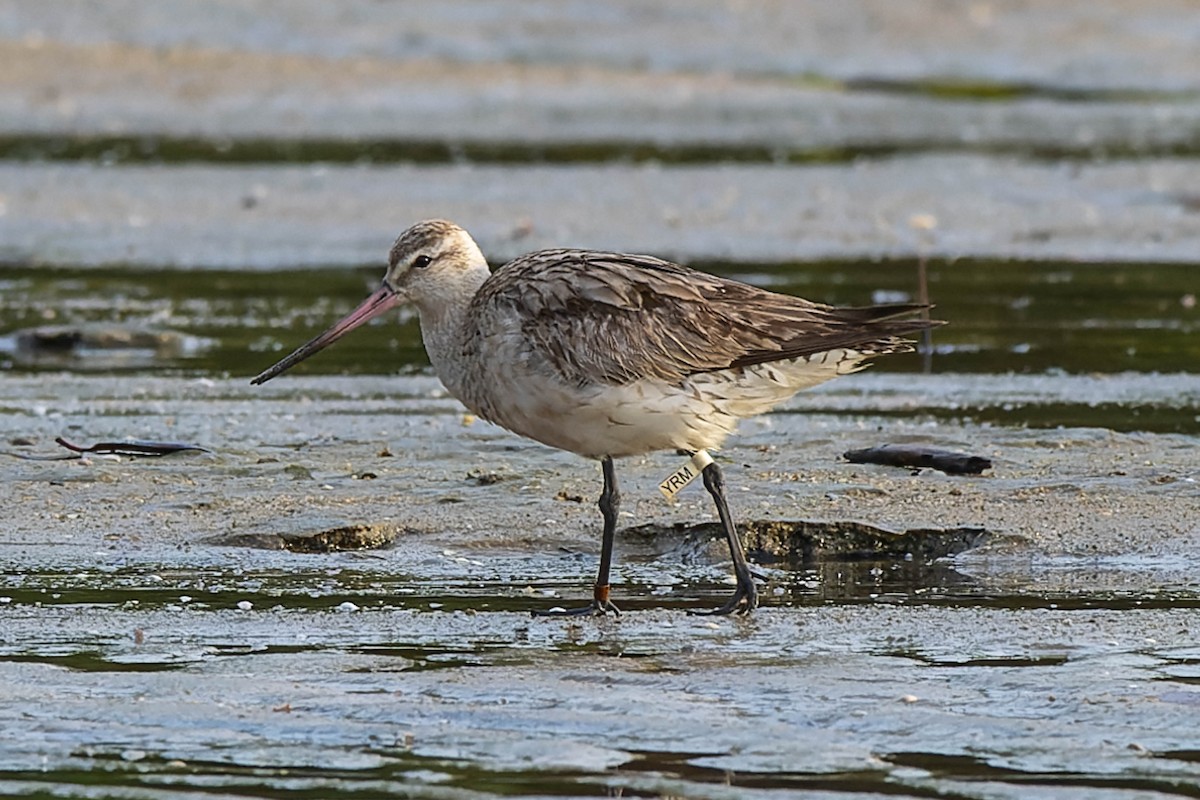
917,456
131,448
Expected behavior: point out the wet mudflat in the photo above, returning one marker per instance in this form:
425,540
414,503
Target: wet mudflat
335,600
180,628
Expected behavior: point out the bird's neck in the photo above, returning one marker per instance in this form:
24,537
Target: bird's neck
445,328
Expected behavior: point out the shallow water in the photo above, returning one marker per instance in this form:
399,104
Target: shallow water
349,679
1003,316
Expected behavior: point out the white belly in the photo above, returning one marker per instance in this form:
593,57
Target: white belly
646,416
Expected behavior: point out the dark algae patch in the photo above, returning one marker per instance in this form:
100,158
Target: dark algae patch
178,149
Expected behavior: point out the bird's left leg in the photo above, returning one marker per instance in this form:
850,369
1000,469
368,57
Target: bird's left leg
610,505
745,597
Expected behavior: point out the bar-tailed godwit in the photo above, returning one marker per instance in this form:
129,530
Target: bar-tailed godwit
609,355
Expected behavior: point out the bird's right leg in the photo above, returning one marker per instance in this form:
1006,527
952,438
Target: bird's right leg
745,597
610,505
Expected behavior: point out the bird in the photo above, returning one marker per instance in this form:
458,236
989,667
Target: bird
610,355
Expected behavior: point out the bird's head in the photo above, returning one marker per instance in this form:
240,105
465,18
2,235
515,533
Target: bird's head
432,265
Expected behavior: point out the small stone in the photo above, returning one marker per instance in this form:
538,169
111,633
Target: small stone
298,472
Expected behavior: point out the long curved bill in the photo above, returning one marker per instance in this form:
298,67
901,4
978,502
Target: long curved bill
381,300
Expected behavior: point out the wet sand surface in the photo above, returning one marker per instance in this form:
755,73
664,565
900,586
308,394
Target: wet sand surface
398,450
335,600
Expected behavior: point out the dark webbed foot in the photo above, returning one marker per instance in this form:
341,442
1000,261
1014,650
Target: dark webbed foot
744,600
599,607
594,609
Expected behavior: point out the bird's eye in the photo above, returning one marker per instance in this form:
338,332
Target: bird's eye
421,262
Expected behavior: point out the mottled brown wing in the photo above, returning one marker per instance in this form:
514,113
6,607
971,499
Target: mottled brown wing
598,317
